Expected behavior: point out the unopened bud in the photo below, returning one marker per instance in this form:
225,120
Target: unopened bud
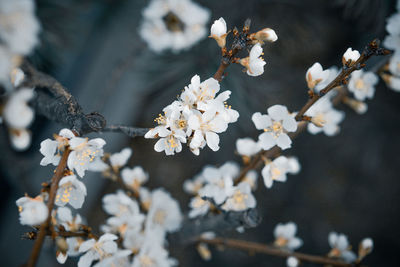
358,106
365,247
204,251
265,34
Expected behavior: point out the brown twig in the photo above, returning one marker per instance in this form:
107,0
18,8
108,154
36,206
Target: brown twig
372,49
266,249
50,205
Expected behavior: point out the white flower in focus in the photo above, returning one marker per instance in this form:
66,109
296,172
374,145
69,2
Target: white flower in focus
20,139
19,27
362,84
292,262
172,24
119,160
254,63
316,75
276,125
350,55
97,250
266,34
247,147
32,211
84,152
135,177
277,169
218,32
17,113
285,236
71,191
198,115
340,247
241,199
51,149
164,212
324,117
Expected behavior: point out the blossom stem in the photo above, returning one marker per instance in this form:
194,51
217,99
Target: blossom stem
59,173
270,250
220,72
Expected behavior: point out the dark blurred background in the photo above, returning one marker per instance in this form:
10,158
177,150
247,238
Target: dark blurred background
348,183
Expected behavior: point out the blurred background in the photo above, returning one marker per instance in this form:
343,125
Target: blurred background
348,183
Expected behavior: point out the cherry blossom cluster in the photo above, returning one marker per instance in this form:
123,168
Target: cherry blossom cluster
214,189
285,239
19,29
173,24
254,63
196,118
392,41
71,191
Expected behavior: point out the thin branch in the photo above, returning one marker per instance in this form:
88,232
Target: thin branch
192,229
371,49
128,130
56,103
50,205
270,250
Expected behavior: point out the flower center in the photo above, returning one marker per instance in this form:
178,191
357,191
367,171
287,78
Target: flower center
360,85
275,173
173,23
281,241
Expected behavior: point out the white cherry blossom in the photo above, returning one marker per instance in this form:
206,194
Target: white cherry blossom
394,64
254,63
316,75
292,261
135,177
52,149
266,34
340,247
70,191
97,250
241,198
277,170
362,84
196,117
285,236
276,125
174,25
164,212
198,207
32,211
119,160
84,152
20,139
324,117
17,113
247,147
218,32
153,255
351,55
